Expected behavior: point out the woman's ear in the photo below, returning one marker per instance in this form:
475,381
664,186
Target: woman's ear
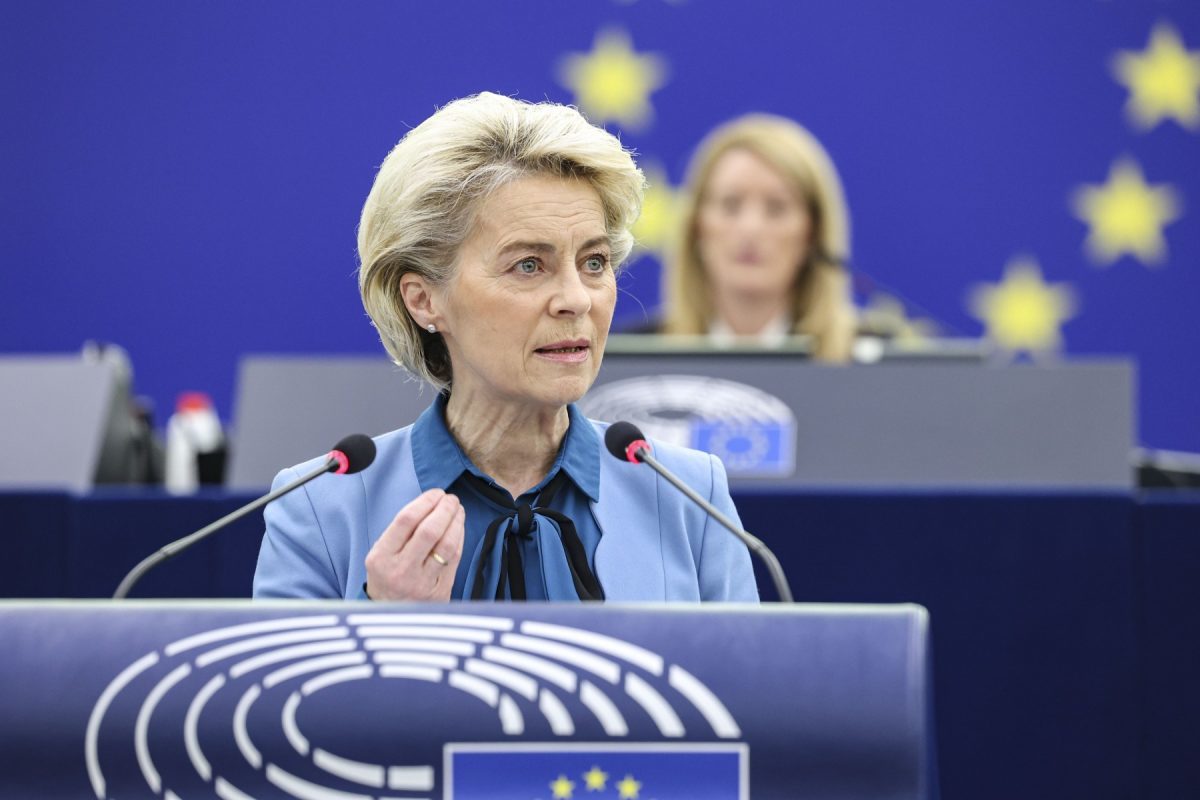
417,295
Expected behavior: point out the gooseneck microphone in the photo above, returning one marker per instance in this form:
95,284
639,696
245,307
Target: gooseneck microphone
352,454
626,442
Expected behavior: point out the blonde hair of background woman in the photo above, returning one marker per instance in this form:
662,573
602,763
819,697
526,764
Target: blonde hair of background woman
422,205
821,302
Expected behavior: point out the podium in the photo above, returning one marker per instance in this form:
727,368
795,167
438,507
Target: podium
350,701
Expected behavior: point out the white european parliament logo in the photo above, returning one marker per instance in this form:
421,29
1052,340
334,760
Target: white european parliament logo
510,681
751,431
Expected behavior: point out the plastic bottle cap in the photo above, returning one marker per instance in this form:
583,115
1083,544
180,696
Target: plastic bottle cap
193,401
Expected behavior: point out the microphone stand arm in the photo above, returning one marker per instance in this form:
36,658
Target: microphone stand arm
755,544
174,548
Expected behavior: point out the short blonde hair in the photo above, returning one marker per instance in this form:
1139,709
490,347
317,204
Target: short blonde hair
821,298
423,203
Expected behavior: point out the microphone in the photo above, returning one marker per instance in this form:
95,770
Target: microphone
626,442
352,454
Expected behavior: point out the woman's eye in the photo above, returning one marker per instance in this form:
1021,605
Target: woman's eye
527,266
596,263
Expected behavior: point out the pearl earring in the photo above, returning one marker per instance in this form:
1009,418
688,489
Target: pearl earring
431,328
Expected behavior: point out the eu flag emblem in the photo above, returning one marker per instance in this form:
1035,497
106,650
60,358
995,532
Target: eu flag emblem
748,447
528,771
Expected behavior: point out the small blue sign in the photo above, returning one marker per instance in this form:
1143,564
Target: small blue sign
749,447
599,772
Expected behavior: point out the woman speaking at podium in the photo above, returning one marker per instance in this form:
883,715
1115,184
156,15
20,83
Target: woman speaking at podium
490,245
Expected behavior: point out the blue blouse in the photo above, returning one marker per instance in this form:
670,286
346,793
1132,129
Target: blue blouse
440,463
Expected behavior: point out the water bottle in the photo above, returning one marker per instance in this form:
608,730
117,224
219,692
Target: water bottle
194,436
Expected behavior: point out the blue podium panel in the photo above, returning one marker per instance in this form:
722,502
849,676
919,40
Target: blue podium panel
1169,540
1036,598
112,530
36,527
337,700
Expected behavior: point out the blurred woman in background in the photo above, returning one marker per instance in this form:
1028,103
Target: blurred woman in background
763,238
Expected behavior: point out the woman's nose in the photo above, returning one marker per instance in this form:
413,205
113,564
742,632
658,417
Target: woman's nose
750,219
571,297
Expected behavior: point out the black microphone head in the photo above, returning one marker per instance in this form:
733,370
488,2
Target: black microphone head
624,440
353,454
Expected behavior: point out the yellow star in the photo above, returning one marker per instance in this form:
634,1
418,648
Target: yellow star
1163,80
628,788
596,779
562,787
613,82
1023,312
660,211
1126,215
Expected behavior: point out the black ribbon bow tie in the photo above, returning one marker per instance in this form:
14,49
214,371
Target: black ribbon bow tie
520,519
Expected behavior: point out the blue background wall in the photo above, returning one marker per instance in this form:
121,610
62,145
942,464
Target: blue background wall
185,178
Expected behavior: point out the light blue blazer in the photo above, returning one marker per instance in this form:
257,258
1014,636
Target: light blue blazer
655,543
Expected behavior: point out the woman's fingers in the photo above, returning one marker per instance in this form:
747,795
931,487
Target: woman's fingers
447,552
397,534
397,563
449,549
430,530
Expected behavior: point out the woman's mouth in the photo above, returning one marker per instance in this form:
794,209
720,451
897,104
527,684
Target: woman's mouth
565,352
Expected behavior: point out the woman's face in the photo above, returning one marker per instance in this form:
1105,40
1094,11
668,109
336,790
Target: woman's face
526,315
753,229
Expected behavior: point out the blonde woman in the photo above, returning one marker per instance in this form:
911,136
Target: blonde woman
489,247
763,239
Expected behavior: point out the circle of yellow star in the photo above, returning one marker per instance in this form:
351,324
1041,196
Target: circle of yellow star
1163,80
562,788
1023,312
628,788
1126,215
660,211
613,82
596,779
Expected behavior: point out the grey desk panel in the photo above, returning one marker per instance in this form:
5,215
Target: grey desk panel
927,424
53,414
903,425
290,409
